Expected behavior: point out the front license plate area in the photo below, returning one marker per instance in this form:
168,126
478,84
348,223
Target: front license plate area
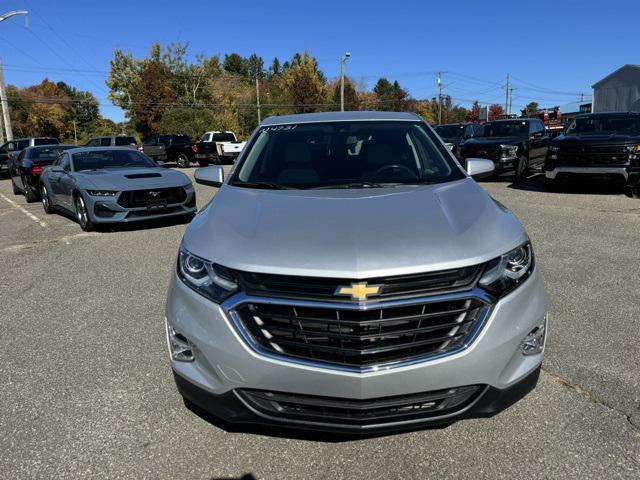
156,204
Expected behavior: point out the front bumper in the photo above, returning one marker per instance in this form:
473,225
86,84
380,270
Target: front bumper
567,172
225,364
106,210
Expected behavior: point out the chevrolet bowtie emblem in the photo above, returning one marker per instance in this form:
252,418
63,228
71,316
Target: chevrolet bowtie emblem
359,291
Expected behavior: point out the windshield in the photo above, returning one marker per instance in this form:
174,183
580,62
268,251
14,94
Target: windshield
48,153
345,155
503,129
608,124
450,131
97,159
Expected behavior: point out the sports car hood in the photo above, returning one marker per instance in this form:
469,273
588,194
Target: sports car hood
131,178
353,233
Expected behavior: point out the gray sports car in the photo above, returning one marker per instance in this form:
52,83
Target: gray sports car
112,185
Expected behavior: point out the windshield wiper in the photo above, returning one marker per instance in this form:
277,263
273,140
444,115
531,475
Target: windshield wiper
262,185
358,185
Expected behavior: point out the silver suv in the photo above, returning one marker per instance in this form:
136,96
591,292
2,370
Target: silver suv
350,276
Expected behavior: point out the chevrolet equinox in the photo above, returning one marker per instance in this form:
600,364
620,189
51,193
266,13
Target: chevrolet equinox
350,276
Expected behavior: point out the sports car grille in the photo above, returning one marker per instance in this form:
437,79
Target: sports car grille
360,412
317,288
593,155
355,337
141,198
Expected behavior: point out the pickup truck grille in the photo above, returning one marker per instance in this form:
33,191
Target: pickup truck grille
140,198
489,152
355,337
349,412
592,155
318,288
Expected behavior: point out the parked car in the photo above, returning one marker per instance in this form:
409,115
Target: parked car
596,147
227,144
454,134
180,149
106,185
13,147
25,169
349,275
112,141
513,145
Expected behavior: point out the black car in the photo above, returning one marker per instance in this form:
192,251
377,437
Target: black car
181,150
25,169
11,148
454,134
514,145
596,147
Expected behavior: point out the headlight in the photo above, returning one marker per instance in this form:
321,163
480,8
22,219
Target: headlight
505,273
553,152
102,193
509,151
210,280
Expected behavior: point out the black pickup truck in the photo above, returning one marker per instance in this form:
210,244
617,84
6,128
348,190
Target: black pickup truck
181,150
514,145
596,147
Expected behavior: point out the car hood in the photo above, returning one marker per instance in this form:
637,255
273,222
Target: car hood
600,139
353,233
494,141
131,178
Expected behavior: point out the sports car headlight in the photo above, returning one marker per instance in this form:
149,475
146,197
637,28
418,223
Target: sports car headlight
102,193
208,279
505,273
509,151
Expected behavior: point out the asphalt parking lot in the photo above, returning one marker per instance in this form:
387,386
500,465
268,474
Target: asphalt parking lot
87,389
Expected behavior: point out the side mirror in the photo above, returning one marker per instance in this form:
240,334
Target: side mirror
479,168
212,176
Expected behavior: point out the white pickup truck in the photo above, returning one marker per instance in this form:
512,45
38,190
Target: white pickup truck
226,142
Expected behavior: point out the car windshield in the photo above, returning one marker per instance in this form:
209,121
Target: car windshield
606,124
97,159
345,155
48,153
121,141
503,129
450,131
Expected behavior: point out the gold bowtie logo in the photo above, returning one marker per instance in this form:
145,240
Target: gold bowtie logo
359,291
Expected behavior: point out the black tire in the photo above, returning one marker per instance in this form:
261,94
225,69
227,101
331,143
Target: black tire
182,161
551,185
29,193
14,188
46,200
82,213
522,167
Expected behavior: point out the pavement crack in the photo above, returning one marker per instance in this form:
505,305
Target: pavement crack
591,397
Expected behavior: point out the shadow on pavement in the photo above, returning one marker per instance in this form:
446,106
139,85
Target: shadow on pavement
535,183
246,476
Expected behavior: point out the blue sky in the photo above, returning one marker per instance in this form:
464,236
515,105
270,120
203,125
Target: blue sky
554,50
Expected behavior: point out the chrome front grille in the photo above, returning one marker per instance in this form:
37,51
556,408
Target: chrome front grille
362,336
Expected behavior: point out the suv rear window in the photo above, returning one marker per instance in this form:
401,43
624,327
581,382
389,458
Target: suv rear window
45,141
120,141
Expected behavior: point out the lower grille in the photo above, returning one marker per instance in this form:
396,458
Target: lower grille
140,198
311,408
593,155
149,213
362,338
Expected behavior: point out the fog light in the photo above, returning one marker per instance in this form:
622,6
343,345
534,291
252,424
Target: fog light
180,348
533,343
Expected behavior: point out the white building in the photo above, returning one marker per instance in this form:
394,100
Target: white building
619,91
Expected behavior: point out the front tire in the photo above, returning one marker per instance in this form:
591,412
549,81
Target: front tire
522,168
182,161
82,214
46,201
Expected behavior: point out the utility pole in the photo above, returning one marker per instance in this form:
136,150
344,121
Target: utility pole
258,99
506,93
75,134
439,98
343,59
510,100
3,91
5,106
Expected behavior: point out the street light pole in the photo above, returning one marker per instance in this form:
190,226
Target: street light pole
258,99
3,93
343,59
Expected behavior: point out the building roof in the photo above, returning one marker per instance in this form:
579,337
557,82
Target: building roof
339,117
624,67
